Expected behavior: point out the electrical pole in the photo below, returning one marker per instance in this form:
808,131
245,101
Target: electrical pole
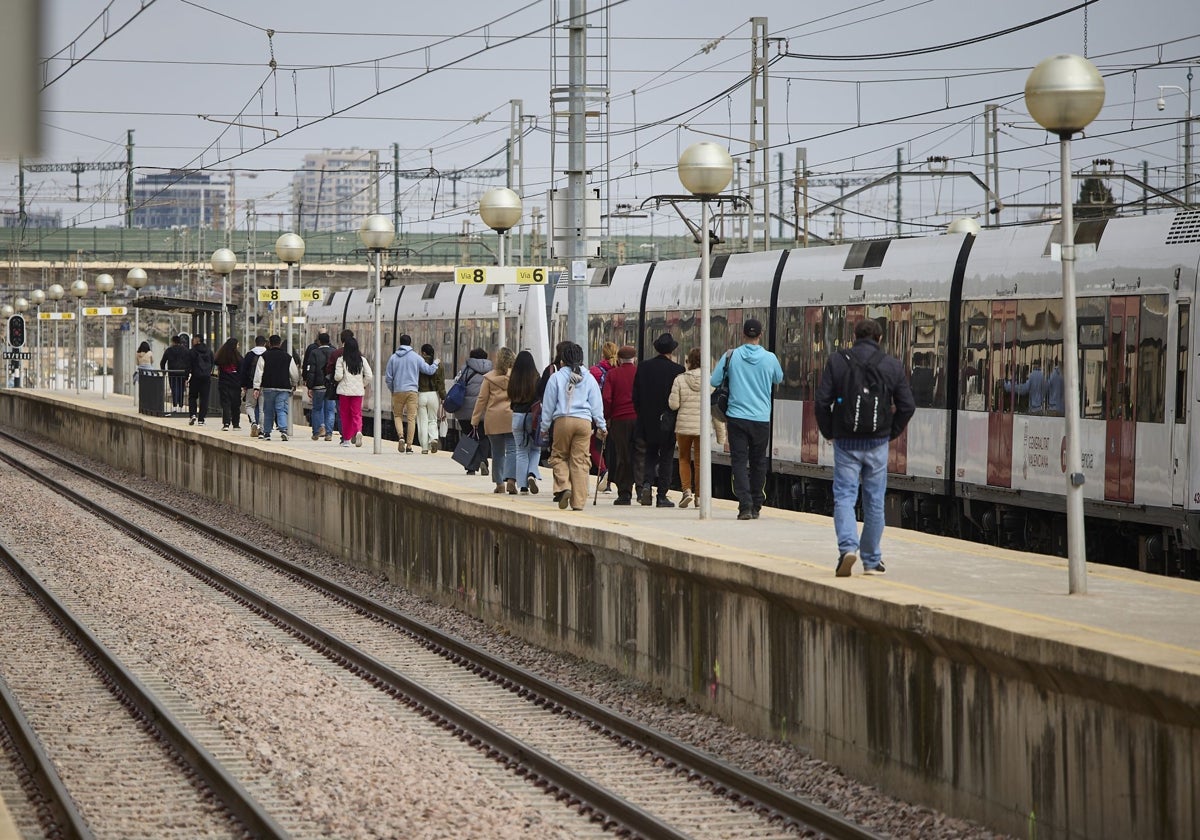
396,187
899,204
577,311
516,170
760,165
129,179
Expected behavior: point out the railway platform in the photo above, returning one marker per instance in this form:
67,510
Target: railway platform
966,678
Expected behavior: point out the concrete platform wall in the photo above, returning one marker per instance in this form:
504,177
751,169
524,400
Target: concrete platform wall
1032,737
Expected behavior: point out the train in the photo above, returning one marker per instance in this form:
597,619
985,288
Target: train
976,319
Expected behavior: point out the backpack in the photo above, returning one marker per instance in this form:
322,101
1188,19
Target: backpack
457,395
314,375
864,407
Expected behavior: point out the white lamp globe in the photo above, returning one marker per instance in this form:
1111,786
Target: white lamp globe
79,288
1064,93
38,297
377,232
7,311
705,168
55,292
135,278
223,261
964,225
289,248
500,209
104,284
20,304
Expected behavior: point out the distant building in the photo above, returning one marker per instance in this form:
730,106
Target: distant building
172,199
335,190
33,220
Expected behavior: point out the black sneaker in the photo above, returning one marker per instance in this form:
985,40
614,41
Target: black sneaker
192,421
200,422
664,502
283,436
754,513
745,514
623,500
645,497
875,570
845,564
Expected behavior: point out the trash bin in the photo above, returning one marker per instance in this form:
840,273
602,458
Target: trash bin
152,392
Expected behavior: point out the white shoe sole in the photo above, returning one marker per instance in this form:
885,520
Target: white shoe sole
846,564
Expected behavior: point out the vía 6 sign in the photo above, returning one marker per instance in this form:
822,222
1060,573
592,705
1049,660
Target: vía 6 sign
273,295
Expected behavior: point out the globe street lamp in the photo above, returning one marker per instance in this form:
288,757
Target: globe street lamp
136,279
104,285
79,290
704,170
500,209
1064,94
376,234
55,293
37,297
290,249
223,262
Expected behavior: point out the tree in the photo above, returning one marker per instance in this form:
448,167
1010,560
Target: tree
1095,200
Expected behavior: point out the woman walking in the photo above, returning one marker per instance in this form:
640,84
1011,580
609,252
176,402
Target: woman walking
522,393
144,359
494,410
229,384
471,376
431,390
352,374
572,405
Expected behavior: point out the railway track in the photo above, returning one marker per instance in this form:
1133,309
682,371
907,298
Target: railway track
617,773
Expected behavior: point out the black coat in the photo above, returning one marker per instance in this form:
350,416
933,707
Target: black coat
651,390
176,360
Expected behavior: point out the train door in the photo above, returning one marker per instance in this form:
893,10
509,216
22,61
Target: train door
810,437
1120,430
899,342
1003,397
1179,473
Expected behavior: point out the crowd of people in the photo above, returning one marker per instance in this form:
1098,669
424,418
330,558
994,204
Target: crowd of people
620,420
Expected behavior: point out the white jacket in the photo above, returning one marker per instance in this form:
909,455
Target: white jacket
349,384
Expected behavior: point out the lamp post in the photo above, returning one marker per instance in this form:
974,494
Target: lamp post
55,293
1064,94
223,262
704,170
290,249
500,209
136,279
376,234
1187,133
79,290
104,285
37,297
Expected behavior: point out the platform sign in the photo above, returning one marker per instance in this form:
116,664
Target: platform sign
91,311
518,275
56,316
18,354
273,295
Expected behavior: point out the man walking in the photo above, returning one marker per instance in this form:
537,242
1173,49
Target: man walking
651,391
404,369
315,359
621,418
175,363
753,372
274,379
249,396
199,368
864,400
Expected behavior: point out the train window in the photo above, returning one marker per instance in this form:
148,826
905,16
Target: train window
689,333
604,276
1152,360
429,291
795,348
1122,362
867,254
1031,370
1182,363
1093,370
974,367
928,361
899,338
1053,363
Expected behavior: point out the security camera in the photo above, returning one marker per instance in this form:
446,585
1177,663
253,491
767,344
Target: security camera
1162,104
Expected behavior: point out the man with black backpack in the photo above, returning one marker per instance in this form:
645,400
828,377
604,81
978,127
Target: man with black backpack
864,400
315,359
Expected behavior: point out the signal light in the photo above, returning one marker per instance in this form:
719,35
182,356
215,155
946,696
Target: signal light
16,331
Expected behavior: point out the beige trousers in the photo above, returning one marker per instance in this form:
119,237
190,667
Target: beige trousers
570,457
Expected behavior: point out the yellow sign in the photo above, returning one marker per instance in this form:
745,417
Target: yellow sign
56,316
273,295
103,310
493,274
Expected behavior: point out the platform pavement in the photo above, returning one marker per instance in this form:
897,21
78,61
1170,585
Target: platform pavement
1149,618
1131,645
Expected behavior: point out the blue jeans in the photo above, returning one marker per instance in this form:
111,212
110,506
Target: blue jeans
323,411
275,409
504,457
849,468
529,454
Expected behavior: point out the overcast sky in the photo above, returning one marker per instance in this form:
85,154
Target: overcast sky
438,77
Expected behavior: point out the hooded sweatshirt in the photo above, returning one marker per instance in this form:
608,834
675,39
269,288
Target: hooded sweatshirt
249,365
753,372
404,368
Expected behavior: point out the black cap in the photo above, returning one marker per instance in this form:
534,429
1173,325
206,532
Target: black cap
752,328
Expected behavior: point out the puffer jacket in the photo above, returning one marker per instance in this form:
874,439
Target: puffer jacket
492,405
685,398
478,367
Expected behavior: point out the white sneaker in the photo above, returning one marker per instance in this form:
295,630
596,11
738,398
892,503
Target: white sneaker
283,436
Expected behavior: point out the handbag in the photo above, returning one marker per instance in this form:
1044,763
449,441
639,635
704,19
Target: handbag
534,419
666,421
719,399
464,453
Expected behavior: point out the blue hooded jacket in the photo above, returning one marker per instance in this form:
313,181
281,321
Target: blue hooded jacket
753,372
405,367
